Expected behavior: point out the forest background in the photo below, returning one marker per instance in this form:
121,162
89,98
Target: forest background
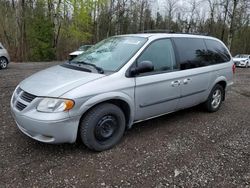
44,30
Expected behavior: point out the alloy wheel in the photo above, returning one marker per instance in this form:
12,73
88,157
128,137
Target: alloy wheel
216,98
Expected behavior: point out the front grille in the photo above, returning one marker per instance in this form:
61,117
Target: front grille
21,99
20,106
27,97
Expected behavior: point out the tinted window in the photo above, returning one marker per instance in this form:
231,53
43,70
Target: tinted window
161,54
192,53
217,52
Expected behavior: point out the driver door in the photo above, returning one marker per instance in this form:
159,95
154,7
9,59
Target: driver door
157,92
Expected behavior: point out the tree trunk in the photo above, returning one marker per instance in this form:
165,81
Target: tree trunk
224,20
22,29
232,26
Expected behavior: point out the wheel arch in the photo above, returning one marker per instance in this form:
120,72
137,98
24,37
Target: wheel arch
221,81
5,58
121,100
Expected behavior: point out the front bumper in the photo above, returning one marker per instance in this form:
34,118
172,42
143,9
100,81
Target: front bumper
44,127
240,64
54,132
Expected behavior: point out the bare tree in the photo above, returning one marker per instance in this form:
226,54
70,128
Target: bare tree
193,11
171,6
212,4
232,23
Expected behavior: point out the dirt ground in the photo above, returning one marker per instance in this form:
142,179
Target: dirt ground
190,148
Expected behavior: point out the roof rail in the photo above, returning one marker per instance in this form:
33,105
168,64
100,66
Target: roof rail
206,34
157,31
171,31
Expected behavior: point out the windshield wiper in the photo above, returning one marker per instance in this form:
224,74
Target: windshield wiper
99,69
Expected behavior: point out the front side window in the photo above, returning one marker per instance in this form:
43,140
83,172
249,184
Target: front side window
112,53
161,54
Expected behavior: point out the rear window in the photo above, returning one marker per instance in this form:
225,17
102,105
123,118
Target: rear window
192,53
217,53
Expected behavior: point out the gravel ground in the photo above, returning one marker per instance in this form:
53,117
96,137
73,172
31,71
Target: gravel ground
190,148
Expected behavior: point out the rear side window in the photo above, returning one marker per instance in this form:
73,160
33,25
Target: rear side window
192,53
217,53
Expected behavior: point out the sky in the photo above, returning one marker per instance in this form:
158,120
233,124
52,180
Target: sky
160,5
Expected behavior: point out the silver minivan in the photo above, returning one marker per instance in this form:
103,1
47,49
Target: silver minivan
120,81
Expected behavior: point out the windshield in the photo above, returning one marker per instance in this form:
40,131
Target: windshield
241,56
112,53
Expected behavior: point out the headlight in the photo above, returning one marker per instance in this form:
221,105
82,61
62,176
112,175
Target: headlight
55,105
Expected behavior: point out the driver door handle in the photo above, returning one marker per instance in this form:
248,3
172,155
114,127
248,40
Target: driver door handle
176,83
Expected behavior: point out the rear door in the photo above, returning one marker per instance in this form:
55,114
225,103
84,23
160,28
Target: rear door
195,75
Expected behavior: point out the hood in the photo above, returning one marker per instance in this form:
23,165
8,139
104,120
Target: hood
239,59
76,53
56,81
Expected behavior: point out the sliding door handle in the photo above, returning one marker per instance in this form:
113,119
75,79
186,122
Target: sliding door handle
186,81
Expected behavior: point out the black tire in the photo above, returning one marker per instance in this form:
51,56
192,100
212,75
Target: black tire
3,63
212,104
102,127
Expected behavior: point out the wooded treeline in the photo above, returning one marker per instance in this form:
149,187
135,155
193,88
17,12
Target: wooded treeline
40,30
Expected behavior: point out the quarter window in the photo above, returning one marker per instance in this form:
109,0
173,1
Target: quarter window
161,54
217,53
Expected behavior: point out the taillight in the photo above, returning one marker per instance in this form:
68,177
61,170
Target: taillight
234,68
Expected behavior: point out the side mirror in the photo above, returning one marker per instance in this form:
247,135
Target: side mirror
144,66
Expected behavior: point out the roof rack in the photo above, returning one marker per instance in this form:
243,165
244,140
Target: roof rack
157,31
171,31
206,34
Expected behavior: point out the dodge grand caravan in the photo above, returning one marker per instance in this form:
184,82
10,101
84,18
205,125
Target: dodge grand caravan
120,81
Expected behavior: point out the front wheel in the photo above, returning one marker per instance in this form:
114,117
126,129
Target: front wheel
102,127
3,63
215,98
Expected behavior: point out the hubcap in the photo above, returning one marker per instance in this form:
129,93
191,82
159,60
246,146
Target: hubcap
216,98
3,63
105,128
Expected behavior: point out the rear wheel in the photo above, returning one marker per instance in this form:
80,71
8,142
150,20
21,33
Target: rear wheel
215,98
3,63
102,127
